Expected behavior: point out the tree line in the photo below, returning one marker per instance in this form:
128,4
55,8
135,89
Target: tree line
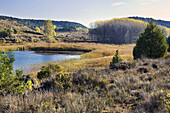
119,31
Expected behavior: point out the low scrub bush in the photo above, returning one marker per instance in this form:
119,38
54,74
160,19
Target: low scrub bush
116,59
48,71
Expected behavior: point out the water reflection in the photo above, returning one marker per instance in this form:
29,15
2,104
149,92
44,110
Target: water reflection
25,59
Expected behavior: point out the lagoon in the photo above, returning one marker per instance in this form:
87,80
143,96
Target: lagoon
26,59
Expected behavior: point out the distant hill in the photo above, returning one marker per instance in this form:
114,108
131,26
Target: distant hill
5,24
31,23
159,22
120,31
11,31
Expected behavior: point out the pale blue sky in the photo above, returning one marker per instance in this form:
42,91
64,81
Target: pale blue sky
85,11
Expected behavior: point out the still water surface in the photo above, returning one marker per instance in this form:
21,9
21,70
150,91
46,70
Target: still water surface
25,59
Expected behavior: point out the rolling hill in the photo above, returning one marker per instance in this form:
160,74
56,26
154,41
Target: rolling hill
11,31
32,23
159,22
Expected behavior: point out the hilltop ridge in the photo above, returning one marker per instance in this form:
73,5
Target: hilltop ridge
32,23
159,22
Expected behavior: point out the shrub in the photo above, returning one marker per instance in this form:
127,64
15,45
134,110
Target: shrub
16,31
3,33
6,33
47,71
43,74
63,80
168,41
116,59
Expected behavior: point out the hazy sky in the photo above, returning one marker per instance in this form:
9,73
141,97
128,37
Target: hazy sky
85,11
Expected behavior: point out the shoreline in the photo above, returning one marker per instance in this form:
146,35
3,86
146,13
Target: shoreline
60,52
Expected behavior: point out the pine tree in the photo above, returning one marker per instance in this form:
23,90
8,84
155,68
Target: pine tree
151,43
9,82
116,59
168,41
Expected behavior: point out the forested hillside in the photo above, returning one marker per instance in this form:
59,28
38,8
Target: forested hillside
5,24
31,23
120,31
159,22
15,32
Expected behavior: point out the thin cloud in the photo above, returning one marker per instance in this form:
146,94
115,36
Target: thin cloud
117,4
155,0
144,3
149,0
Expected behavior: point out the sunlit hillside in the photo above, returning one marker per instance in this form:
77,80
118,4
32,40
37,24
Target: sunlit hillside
15,32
